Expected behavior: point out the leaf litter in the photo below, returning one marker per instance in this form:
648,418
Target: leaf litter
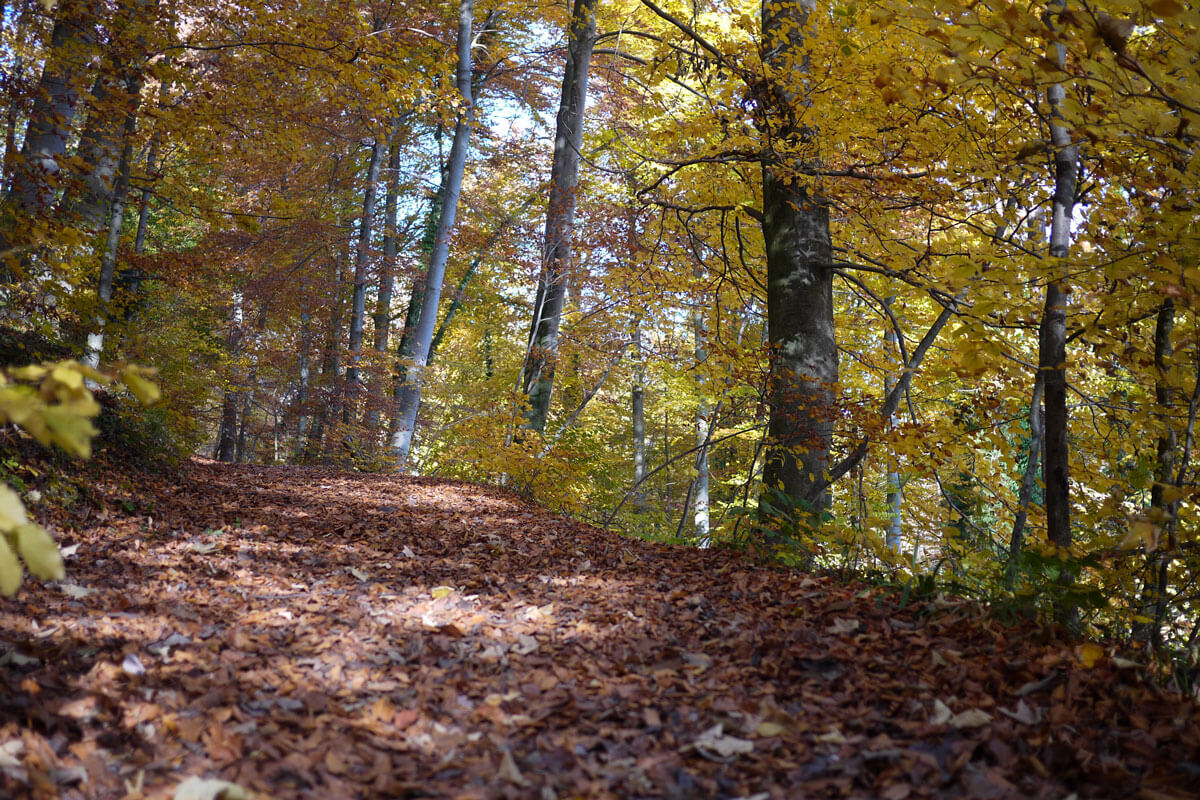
308,633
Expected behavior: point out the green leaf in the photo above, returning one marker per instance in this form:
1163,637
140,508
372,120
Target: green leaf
40,552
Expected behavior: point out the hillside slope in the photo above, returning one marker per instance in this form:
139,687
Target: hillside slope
310,633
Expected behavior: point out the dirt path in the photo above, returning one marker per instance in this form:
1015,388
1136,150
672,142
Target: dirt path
309,633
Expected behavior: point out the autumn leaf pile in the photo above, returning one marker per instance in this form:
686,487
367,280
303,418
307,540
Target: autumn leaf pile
309,633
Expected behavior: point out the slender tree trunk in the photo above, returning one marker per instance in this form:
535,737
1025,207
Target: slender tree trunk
1052,338
116,222
460,293
638,413
358,303
538,374
302,385
1162,508
703,433
1029,478
387,284
226,449
330,361
804,357
410,395
894,498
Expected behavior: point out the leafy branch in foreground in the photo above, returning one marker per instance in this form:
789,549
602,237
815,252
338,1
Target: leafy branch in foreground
53,403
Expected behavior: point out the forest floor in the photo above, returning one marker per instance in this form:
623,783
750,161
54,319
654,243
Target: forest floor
311,633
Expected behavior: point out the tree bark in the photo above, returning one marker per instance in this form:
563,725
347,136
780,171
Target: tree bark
538,374
1162,510
116,222
700,517
382,317
804,357
226,449
36,173
410,393
637,411
358,303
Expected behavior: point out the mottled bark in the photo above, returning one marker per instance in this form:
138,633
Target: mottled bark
38,168
1052,339
804,357
410,393
538,374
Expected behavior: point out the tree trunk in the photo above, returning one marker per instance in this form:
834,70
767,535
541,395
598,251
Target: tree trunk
37,170
804,357
1163,509
638,413
330,361
1052,336
1029,478
410,394
703,434
302,385
538,374
108,255
226,449
358,303
894,495
382,317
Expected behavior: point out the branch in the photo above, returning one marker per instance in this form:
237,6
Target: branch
892,401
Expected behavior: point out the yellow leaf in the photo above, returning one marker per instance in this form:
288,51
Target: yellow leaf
40,552
1089,654
10,568
145,391
1165,8
70,432
442,591
12,510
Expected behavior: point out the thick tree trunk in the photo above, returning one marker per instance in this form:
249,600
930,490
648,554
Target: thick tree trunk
538,374
804,357
358,303
36,173
410,394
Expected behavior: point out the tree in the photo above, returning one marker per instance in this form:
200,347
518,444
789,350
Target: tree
537,377
800,322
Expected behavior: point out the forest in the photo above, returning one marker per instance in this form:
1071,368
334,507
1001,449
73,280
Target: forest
876,291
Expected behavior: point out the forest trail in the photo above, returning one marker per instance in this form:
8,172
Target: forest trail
310,633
